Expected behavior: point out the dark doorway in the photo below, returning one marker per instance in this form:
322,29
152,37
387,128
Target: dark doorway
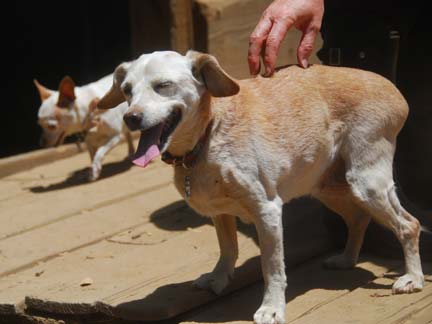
83,39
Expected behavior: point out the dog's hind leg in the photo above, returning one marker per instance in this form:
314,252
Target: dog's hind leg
369,174
335,193
219,278
356,220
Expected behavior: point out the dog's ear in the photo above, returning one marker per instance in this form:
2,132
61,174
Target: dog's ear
66,92
114,96
205,67
44,93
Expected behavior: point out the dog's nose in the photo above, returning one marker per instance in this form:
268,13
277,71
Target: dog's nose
133,120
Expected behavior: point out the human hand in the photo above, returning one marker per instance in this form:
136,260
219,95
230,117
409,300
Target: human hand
277,19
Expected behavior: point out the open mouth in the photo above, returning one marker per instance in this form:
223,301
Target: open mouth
154,140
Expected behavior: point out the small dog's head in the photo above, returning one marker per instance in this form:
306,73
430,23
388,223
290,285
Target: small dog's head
163,90
57,113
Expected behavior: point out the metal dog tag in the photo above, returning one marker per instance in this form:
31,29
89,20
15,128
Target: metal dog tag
187,184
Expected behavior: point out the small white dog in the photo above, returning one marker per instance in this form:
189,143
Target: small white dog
72,110
243,148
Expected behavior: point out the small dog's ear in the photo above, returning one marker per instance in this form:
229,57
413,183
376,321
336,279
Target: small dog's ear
114,96
205,67
66,92
44,93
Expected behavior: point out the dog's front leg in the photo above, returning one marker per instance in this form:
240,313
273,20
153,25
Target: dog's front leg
268,223
130,144
219,278
100,154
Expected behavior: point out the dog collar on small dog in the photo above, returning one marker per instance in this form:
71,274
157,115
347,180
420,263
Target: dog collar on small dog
188,160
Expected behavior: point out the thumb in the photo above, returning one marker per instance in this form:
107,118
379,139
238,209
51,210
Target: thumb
306,46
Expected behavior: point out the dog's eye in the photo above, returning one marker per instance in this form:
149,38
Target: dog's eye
127,90
165,88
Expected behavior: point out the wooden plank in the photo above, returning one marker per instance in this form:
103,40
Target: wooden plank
417,312
14,287
23,251
310,287
48,200
182,36
29,160
56,168
25,161
376,298
228,36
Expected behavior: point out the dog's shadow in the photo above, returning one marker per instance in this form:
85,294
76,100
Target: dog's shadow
80,177
168,218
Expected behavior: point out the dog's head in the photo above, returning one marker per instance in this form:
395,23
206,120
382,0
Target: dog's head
164,90
57,113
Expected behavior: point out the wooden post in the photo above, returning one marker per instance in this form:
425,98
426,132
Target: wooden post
182,36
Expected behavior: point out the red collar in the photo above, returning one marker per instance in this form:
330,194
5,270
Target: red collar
188,160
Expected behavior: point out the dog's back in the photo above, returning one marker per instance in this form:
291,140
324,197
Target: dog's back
324,94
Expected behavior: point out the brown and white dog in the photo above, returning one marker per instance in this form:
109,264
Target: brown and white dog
243,148
72,110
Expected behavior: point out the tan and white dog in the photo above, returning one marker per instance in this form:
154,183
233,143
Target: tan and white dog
243,148
72,110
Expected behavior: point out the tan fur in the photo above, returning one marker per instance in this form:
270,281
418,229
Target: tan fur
304,116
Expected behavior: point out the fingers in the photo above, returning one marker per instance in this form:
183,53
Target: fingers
256,43
306,45
273,43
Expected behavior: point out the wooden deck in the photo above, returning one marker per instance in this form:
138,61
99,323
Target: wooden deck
127,247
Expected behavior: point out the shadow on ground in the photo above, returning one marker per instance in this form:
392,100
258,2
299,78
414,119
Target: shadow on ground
80,177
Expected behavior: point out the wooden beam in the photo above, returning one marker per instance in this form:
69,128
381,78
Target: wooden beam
182,36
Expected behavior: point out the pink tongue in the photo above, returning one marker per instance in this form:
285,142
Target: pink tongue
147,147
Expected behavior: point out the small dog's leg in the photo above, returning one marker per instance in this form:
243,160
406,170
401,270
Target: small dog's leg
100,154
91,149
270,235
219,278
129,140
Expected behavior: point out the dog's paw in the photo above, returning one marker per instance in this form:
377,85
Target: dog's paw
408,284
215,281
94,173
92,176
270,315
339,262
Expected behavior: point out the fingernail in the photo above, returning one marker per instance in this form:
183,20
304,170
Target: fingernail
268,71
305,63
